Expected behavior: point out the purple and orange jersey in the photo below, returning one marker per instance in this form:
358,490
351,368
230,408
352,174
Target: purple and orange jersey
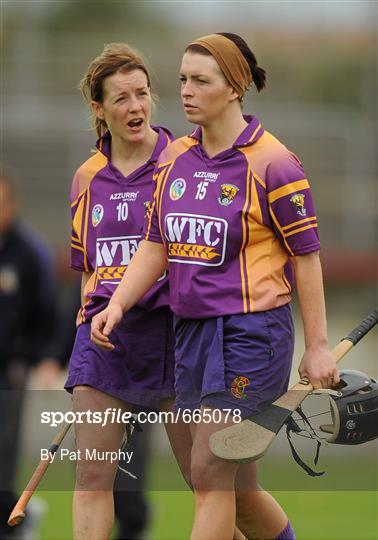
230,223
107,222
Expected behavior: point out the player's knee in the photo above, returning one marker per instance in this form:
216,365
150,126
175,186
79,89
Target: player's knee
94,476
243,504
186,473
200,477
211,473
247,501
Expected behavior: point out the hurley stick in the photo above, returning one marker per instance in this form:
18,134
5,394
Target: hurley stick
251,438
18,512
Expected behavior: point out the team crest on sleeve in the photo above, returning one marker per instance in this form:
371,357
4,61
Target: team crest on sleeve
177,189
228,194
238,386
97,214
298,200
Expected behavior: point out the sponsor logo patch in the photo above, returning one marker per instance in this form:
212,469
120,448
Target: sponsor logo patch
228,194
113,255
298,201
97,214
238,386
177,189
206,175
129,196
196,239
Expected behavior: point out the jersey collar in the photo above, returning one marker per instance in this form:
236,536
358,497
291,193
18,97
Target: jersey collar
164,138
249,135
103,144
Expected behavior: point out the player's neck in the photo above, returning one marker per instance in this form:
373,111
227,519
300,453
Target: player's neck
128,156
221,133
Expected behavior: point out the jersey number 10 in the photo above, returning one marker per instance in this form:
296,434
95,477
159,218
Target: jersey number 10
123,211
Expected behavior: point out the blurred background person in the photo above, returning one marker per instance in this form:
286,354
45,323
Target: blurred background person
27,313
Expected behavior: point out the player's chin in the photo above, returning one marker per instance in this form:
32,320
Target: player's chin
194,116
136,137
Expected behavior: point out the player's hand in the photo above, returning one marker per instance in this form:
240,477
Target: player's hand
319,367
102,325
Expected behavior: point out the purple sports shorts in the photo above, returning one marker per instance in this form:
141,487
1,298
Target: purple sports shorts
235,361
140,370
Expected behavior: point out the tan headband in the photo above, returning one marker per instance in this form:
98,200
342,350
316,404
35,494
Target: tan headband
230,60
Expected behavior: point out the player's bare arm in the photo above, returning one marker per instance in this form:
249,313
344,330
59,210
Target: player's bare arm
317,363
146,266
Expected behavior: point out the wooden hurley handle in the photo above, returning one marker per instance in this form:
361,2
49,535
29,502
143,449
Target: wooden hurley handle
342,348
291,400
251,438
18,512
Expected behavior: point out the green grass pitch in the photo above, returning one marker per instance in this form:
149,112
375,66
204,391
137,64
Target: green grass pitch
316,515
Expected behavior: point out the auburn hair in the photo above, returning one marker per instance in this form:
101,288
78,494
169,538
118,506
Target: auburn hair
115,57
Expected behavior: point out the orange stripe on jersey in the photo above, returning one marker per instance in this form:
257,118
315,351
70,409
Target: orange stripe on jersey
74,237
254,133
78,247
77,222
313,226
150,219
168,137
90,286
175,149
260,181
160,196
288,189
85,175
161,167
300,222
242,260
281,231
254,224
88,198
158,178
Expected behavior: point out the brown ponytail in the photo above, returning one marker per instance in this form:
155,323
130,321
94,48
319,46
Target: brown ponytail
258,73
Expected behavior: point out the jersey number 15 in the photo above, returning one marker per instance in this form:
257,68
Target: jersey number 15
201,190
